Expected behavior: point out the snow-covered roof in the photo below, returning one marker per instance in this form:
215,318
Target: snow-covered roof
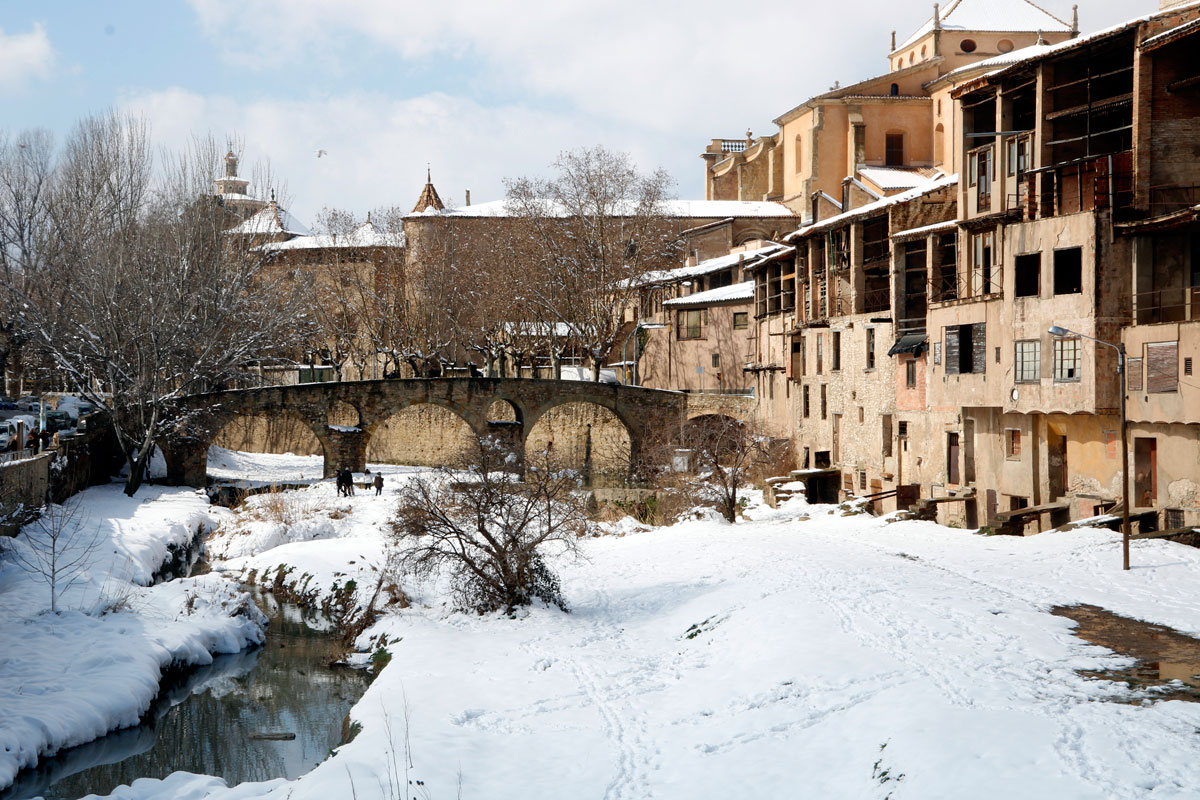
890,179
1035,52
272,220
680,209
991,15
936,227
365,235
724,294
931,185
711,265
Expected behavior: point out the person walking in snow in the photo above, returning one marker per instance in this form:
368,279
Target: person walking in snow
349,483
378,484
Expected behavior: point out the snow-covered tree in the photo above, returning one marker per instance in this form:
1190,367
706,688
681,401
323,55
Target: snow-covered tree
592,230
139,295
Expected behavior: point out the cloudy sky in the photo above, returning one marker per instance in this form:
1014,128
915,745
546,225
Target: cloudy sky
478,89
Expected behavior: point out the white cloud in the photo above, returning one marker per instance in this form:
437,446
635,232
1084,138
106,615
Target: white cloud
377,147
24,57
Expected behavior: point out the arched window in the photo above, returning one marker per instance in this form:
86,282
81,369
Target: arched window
799,154
939,144
895,90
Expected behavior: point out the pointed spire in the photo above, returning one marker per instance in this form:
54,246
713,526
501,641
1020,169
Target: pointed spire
893,42
937,17
429,197
1075,19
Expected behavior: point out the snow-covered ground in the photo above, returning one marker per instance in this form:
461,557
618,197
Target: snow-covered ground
68,678
802,653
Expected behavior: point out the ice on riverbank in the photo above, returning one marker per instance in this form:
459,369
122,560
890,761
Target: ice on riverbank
66,679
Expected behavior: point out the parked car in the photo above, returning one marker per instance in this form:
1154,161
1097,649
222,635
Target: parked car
76,407
58,421
13,427
29,403
7,404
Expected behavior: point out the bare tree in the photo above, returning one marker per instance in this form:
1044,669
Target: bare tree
56,548
725,452
592,230
141,296
489,530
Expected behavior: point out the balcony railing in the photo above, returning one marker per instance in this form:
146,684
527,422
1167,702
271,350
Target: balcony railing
733,145
1169,199
1180,304
1091,184
947,287
876,300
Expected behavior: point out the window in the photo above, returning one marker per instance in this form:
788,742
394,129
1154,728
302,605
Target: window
806,404
937,353
1068,271
741,320
1028,275
894,156
1174,518
716,360
984,279
910,374
887,435
870,348
1005,45
1012,444
1162,367
1187,366
1028,361
798,357
1133,374
837,350
690,324
820,352
799,152
862,416
862,480
824,403
966,349
968,46
1067,360
902,429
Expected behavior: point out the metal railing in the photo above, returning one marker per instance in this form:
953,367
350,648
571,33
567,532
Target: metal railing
946,288
17,455
875,300
1169,199
1180,304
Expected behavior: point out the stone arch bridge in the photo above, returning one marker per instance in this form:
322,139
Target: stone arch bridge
345,415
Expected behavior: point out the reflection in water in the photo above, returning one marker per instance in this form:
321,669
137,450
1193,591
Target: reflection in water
1168,661
207,723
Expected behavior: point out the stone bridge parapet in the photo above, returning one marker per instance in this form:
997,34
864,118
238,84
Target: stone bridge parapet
345,415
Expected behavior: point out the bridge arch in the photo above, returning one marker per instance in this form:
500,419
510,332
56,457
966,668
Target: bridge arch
585,436
420,434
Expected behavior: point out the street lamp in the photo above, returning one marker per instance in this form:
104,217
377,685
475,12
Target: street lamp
1058,332
641,326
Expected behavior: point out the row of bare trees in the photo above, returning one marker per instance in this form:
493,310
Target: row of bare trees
118,274
549,277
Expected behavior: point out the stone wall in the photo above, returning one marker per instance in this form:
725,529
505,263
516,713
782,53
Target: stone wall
582,432
23,487
278,433
421,435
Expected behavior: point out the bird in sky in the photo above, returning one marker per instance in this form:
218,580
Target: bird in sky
322,153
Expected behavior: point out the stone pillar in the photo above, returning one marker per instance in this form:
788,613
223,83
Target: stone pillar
344,448
187,461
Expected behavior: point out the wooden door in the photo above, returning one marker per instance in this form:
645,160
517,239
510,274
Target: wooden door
1145,472
969,451
952,454
837,438
1056,459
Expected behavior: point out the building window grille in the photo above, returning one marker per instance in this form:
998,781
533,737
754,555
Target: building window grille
870,348
1175,518
1187,366
1028,361
902,429
806,404
1067,360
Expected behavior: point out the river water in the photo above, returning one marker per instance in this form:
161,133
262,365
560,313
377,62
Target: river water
233,718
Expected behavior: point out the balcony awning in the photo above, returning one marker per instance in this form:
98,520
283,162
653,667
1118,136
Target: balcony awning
909,343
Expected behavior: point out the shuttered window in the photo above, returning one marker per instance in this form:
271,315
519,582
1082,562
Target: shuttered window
1133,374
979,348
1162,367
952,359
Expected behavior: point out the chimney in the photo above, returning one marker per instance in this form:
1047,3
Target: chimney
1075,20
468,197
893,42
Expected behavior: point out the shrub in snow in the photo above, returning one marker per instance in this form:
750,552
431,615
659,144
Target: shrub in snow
490,534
